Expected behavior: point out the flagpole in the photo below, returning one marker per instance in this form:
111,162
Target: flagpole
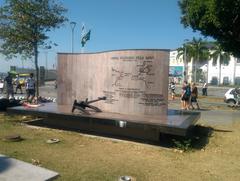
82,34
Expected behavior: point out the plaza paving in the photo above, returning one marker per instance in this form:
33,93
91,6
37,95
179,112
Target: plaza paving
213,112
16,170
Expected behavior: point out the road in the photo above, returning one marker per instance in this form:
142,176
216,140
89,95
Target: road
48,90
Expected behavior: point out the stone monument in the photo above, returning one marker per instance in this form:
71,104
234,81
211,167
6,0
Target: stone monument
135,82
122,93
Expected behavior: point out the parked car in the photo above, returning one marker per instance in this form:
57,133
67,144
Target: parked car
230,96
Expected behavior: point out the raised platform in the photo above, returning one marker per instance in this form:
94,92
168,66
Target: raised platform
175,122
13,169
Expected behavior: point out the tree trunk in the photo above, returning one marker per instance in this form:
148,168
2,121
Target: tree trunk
234,71
195,67
207,73
220,71
37,69
195,72
185,72
185,65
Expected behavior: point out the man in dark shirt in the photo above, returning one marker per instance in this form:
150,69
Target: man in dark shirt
194,96
9,85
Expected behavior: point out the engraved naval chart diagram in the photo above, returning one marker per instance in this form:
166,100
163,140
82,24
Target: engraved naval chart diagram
133,80
142,71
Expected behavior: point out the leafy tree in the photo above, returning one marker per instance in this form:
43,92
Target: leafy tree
219,19
23,27
218,55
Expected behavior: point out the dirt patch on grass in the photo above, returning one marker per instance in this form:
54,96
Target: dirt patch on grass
79,157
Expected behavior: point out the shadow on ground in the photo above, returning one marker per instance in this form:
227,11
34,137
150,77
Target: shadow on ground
5,163
198,139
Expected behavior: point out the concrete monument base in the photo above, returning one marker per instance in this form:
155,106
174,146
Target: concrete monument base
144,127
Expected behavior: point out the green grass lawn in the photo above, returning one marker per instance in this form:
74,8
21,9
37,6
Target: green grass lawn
80,157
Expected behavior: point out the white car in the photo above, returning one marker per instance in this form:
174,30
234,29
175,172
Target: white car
229,97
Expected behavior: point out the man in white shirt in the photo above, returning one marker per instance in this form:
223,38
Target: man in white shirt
204,89
30,88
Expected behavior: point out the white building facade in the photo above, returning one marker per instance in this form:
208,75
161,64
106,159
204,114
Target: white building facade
177,63
227,74
213,73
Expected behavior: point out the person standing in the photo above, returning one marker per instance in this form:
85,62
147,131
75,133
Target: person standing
1,86
204,89
194,96
9,85
18,85
30,88
172,89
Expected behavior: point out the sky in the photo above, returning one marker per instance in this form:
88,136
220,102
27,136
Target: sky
114,24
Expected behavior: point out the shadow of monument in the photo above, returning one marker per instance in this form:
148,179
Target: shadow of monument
197,140
198,137
5,163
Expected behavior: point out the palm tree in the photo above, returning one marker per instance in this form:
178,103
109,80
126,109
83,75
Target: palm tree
218,55
198,51
183,52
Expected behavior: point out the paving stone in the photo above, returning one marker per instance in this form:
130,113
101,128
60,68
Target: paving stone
15,170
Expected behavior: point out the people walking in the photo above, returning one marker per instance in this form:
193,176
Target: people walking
9,85
194,96
186,94
30,88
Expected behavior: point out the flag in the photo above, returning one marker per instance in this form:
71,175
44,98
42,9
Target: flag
83,28
85,38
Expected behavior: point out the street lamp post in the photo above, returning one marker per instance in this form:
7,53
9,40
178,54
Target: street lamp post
73,25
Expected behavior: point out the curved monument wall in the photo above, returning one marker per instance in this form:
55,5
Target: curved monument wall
134,81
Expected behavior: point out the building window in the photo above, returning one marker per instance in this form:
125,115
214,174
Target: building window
237,81
226,61
214,81
214,63
238,60
225,80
